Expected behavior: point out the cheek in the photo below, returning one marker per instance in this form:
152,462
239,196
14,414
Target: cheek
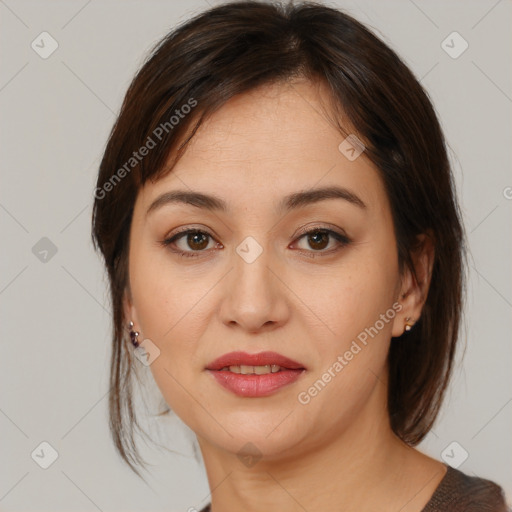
356,306
351,297
172,311
352,362
173,308
166,294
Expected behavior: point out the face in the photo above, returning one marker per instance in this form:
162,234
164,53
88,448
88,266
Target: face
313,278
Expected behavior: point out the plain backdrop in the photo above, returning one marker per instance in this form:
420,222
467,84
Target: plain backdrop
56,114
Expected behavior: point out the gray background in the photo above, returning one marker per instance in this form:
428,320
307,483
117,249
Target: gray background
56,114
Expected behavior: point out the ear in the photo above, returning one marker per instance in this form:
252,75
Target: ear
129,311
414,290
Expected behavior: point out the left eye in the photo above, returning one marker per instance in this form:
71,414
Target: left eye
318,239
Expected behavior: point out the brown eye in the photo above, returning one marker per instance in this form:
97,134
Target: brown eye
191,242
197,240
318,240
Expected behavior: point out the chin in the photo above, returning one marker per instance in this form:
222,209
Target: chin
264,433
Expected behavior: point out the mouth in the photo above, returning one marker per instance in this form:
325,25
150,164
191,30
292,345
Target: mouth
253,370
255,375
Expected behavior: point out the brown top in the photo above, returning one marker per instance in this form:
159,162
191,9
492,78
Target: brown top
458,492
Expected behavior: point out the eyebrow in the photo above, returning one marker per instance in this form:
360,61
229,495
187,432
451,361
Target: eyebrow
288,203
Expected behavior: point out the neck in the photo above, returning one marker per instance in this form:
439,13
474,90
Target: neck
340,470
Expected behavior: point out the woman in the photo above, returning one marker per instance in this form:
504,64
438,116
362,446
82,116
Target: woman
277,216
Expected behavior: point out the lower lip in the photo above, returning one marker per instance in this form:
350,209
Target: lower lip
255,385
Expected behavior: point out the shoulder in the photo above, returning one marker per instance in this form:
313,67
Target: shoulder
460,492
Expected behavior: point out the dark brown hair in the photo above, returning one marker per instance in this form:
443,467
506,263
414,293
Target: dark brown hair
236,47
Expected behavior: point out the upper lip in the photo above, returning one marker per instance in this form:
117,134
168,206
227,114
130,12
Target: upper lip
259,359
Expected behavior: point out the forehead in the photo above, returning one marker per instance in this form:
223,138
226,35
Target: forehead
268,127
265,144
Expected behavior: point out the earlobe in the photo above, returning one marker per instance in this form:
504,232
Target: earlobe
127,314
128,309
415,285
408,324
403,322
134,335
130,319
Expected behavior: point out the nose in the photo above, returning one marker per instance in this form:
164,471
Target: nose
254,296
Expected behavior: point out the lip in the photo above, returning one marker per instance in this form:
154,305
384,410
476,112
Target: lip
259,359
253,386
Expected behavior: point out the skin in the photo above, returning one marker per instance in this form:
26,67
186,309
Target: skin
329,453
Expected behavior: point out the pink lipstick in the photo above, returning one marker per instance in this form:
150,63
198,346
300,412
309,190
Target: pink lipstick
255,375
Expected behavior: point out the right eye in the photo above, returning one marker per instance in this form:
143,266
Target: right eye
193,239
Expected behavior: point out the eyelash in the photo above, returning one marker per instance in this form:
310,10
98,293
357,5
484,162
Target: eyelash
342,240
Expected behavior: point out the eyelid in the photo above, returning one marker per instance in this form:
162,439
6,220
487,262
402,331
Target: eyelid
187,229
338,234
340,237
320,227
180,233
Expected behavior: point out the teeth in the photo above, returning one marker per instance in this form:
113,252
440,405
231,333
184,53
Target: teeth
256,370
